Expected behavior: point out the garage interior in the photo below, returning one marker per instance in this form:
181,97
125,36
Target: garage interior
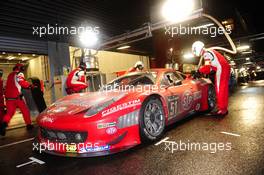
132,31
36,66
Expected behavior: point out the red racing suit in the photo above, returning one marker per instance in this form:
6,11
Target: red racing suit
14,97
217,62
2,101
132,69
76,81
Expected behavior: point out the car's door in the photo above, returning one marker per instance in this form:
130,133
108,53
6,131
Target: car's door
177,102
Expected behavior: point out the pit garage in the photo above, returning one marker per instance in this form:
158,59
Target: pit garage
131,87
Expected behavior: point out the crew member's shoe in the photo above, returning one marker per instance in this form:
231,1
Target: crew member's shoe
30,127
3,128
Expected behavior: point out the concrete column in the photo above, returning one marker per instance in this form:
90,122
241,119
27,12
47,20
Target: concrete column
59,56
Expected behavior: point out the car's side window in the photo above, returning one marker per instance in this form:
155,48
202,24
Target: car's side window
170,78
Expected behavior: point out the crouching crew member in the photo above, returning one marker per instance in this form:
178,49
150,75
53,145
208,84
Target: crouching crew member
139,66
14,97
214,61
76,80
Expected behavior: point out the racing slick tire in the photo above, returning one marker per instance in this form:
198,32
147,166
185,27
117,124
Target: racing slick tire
152,120
211,98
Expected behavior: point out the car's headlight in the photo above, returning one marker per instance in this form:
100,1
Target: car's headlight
97,108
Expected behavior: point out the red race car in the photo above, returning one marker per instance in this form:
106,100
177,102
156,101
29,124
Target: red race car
131,109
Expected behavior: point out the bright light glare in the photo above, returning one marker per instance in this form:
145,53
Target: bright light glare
242,69
177,10
88,38
10,57
25,58
241,48
258,67
123,47
188,56
233,63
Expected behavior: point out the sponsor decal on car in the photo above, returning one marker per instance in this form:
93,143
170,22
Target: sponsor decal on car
122,106
46,119
187,100
111,130
198,106
197,95
105,125
94,149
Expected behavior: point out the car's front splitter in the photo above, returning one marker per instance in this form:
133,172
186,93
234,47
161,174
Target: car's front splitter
75,150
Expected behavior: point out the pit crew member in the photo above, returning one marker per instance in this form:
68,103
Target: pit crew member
215,61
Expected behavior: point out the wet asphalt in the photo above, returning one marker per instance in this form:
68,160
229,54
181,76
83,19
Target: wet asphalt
239,138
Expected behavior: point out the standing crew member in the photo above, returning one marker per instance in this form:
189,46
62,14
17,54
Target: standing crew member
14,97
76,80
139,66
2,101
214,61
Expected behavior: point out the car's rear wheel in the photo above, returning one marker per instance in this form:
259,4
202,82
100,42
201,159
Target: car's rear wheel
152,120
211,98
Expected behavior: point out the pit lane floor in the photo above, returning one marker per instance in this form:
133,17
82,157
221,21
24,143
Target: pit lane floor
243,128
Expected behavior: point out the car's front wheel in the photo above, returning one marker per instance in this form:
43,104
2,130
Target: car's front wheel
152,120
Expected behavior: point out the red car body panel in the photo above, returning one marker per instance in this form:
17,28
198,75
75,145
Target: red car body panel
115,127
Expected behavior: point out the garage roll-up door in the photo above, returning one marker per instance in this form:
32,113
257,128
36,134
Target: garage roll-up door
9,44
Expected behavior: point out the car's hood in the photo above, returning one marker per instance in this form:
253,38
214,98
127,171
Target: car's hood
76,103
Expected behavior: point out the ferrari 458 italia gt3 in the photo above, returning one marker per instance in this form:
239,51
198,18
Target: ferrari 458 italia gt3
131,109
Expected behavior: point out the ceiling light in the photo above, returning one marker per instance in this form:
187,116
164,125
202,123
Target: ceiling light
10,57
204,26
3,53
19,54
258,67
242,48
25,58
177,10
188,56
123,47
88,38
247,52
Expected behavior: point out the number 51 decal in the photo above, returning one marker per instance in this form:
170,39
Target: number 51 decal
173,106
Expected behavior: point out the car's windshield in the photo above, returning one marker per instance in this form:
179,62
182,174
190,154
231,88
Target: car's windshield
133,79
